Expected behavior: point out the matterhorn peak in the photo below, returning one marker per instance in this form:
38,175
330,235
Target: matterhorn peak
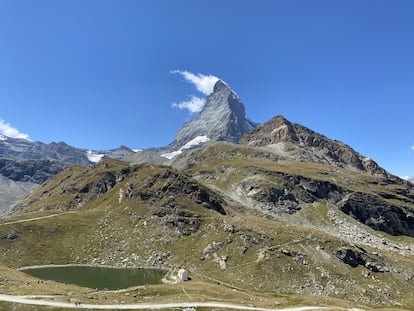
222,118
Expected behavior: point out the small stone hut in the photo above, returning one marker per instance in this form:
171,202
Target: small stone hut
183,275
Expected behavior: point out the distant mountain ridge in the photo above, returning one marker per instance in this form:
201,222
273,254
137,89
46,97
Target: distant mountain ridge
23,149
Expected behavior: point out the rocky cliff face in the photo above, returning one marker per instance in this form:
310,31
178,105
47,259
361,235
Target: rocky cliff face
223,118
35,171
380,214
11,191
19,177
302,144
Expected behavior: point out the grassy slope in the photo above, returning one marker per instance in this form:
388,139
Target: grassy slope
107,230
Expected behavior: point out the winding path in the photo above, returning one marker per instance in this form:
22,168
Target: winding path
31,219
153,306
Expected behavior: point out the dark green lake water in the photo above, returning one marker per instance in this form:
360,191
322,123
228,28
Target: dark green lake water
99,277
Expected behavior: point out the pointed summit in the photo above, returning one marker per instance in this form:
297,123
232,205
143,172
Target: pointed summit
223,118
220,85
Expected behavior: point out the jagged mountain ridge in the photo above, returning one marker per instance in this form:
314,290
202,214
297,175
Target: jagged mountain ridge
223,118
23,149
303,144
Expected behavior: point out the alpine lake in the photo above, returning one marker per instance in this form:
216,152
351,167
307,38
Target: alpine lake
98,277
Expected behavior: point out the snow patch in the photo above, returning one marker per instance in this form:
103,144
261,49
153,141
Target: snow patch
137,150
3,137
191,144
170,155
94,157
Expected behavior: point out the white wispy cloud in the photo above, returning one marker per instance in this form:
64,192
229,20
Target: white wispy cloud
194,104
203,83
10,131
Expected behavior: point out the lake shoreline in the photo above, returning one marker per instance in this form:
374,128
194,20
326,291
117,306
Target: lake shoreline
92,265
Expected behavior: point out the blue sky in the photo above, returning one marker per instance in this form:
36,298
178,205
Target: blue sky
98,74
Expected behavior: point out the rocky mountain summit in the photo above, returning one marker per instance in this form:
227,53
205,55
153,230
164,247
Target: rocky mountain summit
300,143
223,118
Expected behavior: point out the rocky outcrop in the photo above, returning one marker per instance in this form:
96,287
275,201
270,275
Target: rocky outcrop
284,193
302,144
379,213
12,235
223,118
175,183
356,256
